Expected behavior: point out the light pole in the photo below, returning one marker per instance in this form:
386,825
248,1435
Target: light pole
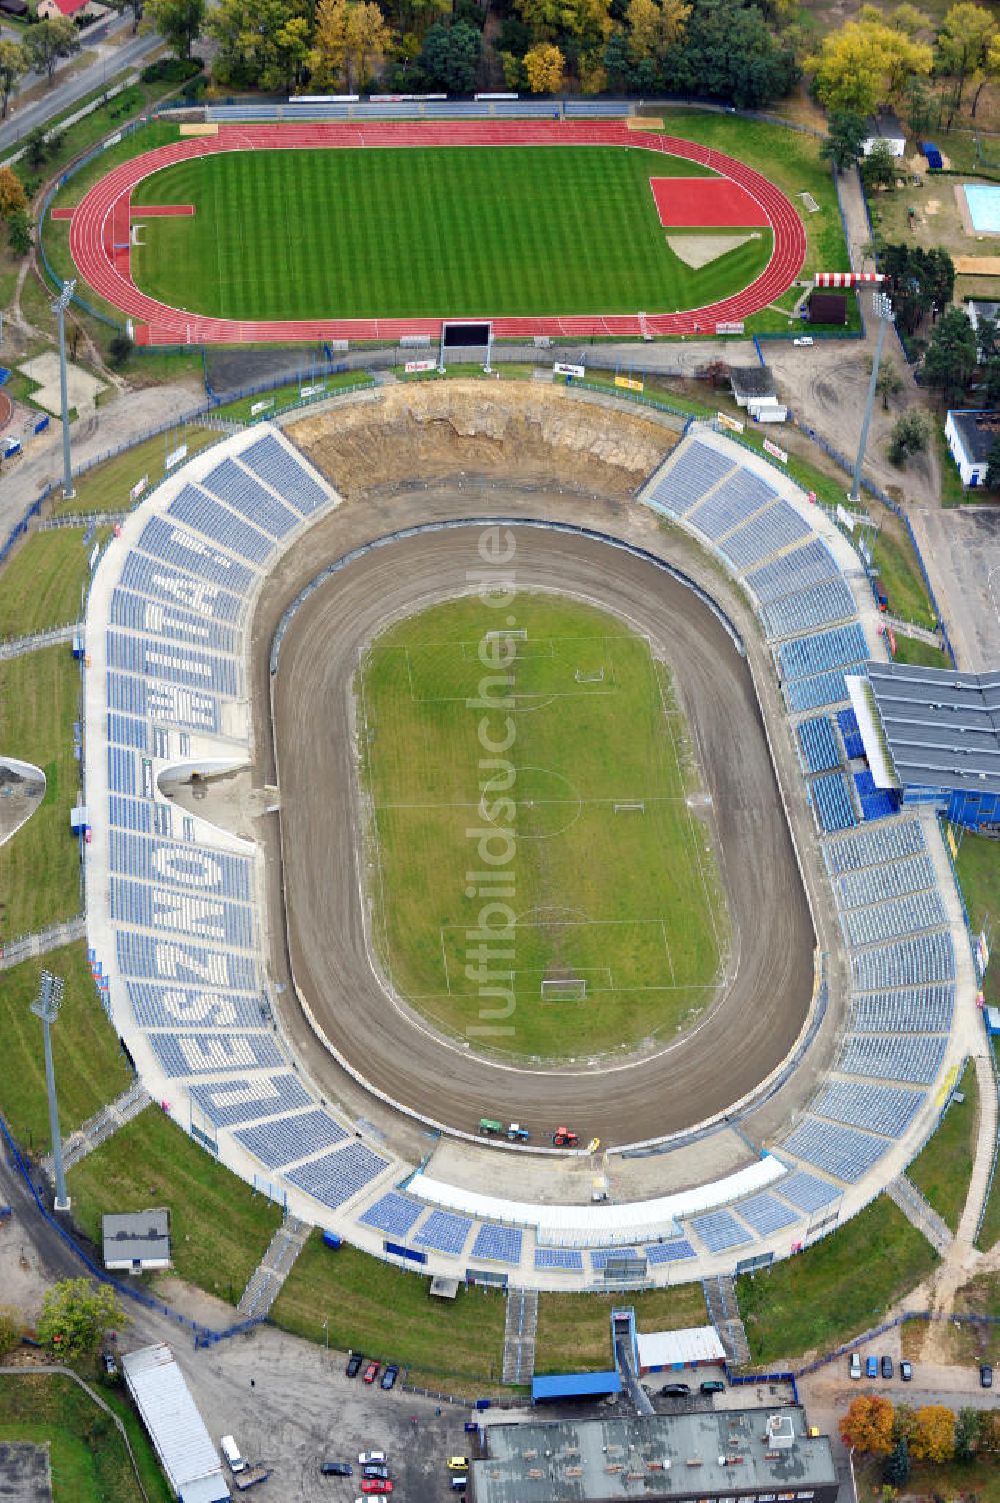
59,309
46,1006
882,307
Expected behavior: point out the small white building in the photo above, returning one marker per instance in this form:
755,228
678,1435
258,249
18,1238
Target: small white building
695,1346
174,1425
137,1242
885,128
971,435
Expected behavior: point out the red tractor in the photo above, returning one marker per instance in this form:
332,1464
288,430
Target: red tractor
563,1137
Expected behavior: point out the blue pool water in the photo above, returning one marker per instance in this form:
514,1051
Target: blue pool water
984,208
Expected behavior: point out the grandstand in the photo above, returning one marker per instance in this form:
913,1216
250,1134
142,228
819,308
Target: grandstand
171,900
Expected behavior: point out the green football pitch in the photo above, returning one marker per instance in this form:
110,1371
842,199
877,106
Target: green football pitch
426,232
612,924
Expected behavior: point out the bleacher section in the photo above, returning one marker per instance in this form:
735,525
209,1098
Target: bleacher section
821,689
923,1009
875,884
895,916
818,745
720,1230
808,1193
853,744
444,1232
875,847
916,1057
669,1252
908,962
821,652
288,1139
565,1258
876,803
831,803
683,483
766,1214
840,1151
338,1176
394,1214
884,1109
819,605
498,1244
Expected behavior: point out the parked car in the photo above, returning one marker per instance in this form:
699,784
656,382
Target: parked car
354,1364
336,1469
985,1375
871,1367
854,1366
376,1485
390,1375
370,1373
887,1367
109,1363
675,1390
713,1385
375,1469
804,341
366,1458
458,1463
906,1371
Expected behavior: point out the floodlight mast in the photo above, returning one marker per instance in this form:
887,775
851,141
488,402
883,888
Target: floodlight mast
882,307
46,1006
59,309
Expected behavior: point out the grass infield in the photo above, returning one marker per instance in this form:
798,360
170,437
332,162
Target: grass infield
618,911
456,231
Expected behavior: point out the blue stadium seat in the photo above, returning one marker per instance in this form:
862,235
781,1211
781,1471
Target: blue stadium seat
393,1214
559,1257
720,1230
338,1176
287,1139
498,1244
444,1232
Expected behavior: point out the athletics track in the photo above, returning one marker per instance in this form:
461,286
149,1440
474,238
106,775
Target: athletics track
99,234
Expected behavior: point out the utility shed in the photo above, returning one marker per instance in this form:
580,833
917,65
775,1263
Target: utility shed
137,1241
756,1455
697,1346
752,383
175,1425
575,1386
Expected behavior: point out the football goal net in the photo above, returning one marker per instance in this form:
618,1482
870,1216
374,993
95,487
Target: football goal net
569,989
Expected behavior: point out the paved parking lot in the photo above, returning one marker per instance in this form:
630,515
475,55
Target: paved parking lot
962,551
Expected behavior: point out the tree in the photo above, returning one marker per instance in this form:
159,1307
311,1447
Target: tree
369,38
950,362
896,1470
845,133
19,233
879,167
888,383
14,64
920,282
867,1425
544,66
262,43
729,52
76,1314
909,436
964,44
327,59
655,27
450,56
48,41
120,349
967,1425
13,199
135,6
987,339
587,23
178,22
935,1434
865,63
36,147
10,1329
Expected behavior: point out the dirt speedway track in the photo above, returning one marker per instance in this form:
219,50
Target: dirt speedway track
761,1010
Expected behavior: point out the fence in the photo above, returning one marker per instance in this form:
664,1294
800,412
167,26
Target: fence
996,1147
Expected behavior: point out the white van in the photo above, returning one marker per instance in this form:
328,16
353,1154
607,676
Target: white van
231,1452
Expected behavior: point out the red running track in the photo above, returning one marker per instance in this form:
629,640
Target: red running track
103,214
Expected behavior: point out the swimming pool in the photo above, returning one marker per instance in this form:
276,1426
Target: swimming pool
984,208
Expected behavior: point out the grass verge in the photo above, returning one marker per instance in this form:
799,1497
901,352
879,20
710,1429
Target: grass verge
943,1168
219,1228
840,1286
89,1461
911,650
90,1067
43,583
978,870
574,1330
106,487
285,398
40,864
896,561
358,1302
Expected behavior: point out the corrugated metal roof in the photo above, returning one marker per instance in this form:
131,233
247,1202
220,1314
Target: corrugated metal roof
574,1385
175,1425
679,1348
942,727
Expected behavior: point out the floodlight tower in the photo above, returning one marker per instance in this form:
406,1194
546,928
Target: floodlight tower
59,309
882,307
46,1006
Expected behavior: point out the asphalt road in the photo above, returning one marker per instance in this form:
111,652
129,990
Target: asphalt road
651,1095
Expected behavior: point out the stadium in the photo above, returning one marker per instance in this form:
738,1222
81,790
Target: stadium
233,629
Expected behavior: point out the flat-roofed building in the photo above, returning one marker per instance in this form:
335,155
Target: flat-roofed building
136,1242
750,1455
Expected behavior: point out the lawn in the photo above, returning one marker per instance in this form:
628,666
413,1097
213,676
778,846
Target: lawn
574,1330
979,1480
284,398
978,866
89,1461
941,1171
106,487
90,1067
894,558
603,949
462,231
219,1228
842,1285
40,864
43,583
358,1302
911,650
989,1232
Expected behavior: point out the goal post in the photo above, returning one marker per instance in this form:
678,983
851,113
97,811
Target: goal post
567,989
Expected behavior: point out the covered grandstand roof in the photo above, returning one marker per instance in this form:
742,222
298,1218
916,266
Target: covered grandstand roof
575,1386
942,727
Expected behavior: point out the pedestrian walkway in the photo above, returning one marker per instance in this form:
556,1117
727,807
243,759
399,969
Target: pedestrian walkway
724,1313
264,1284
17,647
919,1214
519,1336
53,938
102,1126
